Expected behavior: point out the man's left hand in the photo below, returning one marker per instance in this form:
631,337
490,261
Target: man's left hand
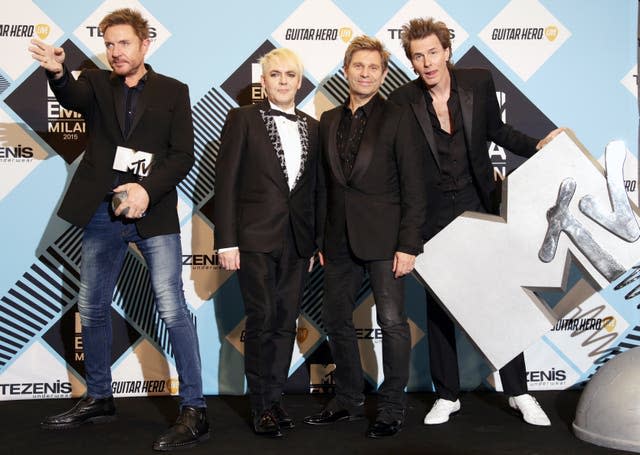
549,138
137,200
403,263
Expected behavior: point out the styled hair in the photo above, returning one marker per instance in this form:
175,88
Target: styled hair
421,28
126,16
281,54
366,43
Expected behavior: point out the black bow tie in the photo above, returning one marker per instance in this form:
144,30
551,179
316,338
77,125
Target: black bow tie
274,112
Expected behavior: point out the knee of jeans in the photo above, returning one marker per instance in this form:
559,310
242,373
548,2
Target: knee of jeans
391,320
174,316
93,315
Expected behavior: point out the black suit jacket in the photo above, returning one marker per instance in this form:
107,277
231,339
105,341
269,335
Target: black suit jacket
252,202
482,123
381,205
162,126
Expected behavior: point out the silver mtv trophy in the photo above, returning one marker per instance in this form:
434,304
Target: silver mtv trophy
560,206
135,165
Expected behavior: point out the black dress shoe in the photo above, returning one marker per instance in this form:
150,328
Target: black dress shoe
329,416
266,424
87,410
384,429
282,417
190,429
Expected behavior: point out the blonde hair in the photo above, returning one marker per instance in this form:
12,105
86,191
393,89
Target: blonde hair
282,54
366,43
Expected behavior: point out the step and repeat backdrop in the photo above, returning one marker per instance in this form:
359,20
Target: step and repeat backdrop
566,63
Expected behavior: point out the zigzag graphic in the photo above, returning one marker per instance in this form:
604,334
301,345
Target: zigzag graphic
208,119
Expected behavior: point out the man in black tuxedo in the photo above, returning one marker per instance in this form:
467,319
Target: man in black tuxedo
372,208
458,114
264,227
131,110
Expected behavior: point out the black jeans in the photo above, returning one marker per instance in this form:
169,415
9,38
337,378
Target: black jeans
343,277
443,359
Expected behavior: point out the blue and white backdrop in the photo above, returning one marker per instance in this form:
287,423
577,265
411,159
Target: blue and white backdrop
570,63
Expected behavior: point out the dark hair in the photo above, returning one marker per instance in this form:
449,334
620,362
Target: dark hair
366,43
126,16
420,28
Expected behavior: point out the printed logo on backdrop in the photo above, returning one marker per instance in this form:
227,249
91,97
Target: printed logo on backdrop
65,338
22,21
19,154
318,31
244,83
90,36
64,130
525,35
389,34
515,109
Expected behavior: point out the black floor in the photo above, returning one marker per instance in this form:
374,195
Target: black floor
485,425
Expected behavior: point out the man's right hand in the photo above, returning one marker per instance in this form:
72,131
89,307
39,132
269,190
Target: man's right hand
50,58
230,260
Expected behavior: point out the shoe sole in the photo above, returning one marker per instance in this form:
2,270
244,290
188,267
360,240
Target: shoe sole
187,445
444,421
342,419
375,436
67,426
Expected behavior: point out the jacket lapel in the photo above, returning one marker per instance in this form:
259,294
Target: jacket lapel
420,111
466,107
276,143
303,131
369,139
332,147
118,100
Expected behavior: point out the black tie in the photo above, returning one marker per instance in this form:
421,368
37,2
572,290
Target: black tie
274,112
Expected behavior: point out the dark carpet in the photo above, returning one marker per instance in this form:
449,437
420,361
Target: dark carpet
485,425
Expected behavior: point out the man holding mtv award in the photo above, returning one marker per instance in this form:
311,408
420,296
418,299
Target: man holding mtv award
371,211
458,113
140,147
264,227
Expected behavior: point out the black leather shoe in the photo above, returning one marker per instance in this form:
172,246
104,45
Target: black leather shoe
384,429
329,416
190,429
266,424
87,410
282,417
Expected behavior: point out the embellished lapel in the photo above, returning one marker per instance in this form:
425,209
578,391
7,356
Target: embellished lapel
303,131
274,138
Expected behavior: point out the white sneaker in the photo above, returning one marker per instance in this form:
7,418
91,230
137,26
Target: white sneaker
441,410
531,411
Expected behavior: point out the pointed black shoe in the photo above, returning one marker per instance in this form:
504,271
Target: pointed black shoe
384,429
190,429
282,417
87,410
266,424
329,416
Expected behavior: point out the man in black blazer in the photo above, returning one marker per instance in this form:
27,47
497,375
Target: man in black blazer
458,114
131,113
372,208
264,227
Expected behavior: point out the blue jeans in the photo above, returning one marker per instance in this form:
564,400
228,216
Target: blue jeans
104,246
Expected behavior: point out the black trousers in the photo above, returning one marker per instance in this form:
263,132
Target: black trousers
271,285
343,277
443,356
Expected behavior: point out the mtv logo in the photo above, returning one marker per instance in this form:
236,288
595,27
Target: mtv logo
485,269
135,161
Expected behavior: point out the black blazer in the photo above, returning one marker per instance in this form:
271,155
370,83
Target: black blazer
252,202
482,123
162,125
381,205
